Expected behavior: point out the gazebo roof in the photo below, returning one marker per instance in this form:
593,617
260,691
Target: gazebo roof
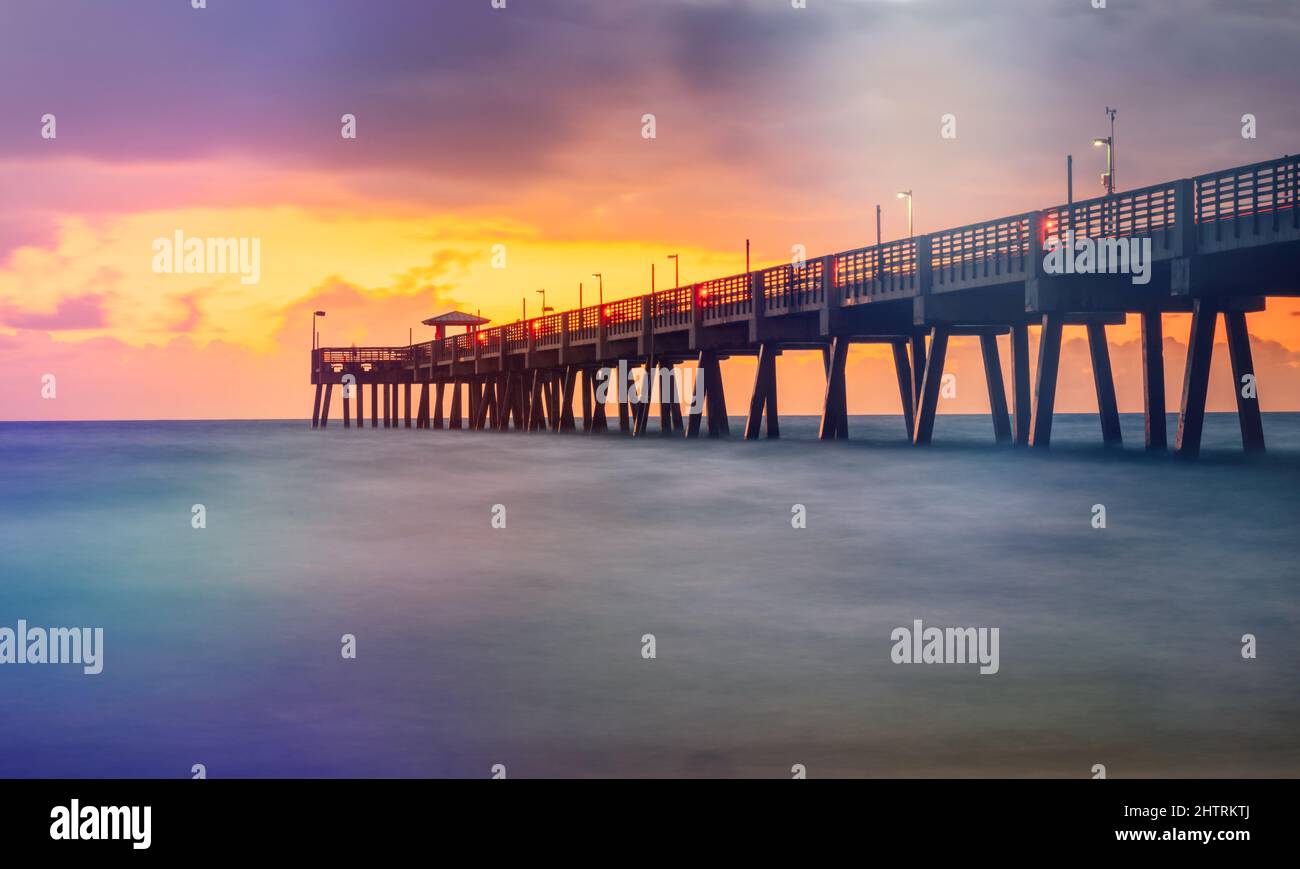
456,318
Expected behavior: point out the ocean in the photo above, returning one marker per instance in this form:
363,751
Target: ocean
525,646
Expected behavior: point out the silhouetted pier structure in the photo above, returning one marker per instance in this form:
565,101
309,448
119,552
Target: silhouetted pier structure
1220,244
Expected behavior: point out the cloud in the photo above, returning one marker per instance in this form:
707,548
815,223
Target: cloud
75,312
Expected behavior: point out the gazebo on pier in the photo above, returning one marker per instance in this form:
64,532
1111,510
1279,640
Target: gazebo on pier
471,322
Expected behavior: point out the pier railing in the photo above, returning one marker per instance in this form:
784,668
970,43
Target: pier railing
1245,205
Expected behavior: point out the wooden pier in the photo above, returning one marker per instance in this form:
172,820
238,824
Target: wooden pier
1221,243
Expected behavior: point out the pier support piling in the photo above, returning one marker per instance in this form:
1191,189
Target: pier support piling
918,367
1107,409
1153,381
454,420
536,412
835,418
997,389
931,379
325,408
599,422
1049,363
906,392
762,401
586,377
1020,393
1196,379
315,408
641,409
1244,382
485,403
571,373
716,398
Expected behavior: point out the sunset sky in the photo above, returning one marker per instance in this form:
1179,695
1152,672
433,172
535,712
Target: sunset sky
523,127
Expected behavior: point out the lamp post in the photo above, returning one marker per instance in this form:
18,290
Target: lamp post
908,195
545,307
1108,177
314,337
598,276
677,274
1109,141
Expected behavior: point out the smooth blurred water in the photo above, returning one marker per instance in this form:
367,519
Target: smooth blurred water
522,646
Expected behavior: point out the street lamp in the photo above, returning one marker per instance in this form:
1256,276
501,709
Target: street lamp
1108,177
677,275
907,194
1109,141
598,276
314,315
545,307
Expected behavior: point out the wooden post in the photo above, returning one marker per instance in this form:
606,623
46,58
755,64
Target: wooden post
587,379
1107,408
918,364
675,383
387,408
1153,381
347,407
700,398
315,407
1244,382
835,422
624,406
773,418
928,402
507,402
763,399
663,377
997,389
536,412
406,404
325,409
1049,362
454,422
599,423
906,392
555,383
715,398
361,405
374,405
498,400
485,402
1020,393
568,386
1196,379
437,403
641,412
701,390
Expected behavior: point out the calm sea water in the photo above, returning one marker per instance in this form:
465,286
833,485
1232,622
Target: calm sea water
523,646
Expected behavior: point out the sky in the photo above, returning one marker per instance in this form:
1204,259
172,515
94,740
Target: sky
522,127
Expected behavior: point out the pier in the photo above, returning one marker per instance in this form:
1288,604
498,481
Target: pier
1220,244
